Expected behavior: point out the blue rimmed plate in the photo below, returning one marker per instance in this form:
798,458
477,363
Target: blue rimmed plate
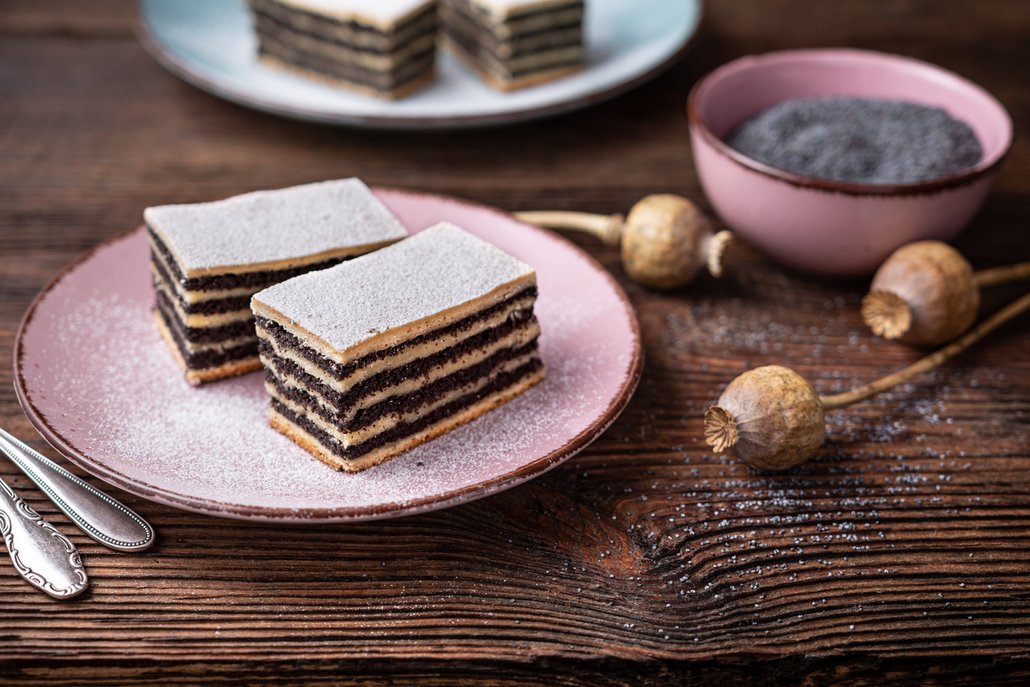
211,44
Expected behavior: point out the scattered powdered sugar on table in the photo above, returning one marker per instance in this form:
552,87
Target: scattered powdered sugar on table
97,369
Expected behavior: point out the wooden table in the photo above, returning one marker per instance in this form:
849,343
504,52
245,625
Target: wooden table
902,554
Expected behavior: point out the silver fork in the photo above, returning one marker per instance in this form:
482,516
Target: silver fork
102,517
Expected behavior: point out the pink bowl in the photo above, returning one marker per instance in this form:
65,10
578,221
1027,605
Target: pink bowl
830,227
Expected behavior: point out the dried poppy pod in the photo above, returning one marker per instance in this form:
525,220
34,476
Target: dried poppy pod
926,293
665,240
771,418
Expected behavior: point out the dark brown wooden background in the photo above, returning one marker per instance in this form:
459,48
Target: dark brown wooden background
899,556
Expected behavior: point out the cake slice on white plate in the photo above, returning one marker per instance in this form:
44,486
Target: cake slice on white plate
512,44
383,48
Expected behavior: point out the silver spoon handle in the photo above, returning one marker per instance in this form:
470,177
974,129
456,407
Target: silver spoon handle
41,554
103,518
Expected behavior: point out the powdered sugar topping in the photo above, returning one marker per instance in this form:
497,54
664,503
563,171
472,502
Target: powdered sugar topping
383,12
271,226
436,270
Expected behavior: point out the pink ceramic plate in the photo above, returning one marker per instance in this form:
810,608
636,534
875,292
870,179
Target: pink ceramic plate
95,378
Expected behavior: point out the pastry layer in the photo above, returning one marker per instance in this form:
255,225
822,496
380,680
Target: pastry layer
385,63
201,339
386,84
203,335
343,376
392,64
393,94
201,320
348,30
515,50
347,405
207,353
518,34
203,303
390,415
507,82
210,353
211,343
302,430
199,375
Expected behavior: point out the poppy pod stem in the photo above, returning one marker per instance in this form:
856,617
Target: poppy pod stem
1002,275
772,418
665,240
931,361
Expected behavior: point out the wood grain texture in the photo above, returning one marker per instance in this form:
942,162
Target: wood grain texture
899,556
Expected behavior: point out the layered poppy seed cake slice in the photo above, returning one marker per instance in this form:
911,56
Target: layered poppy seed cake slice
375,356
383,48
512,44
208,259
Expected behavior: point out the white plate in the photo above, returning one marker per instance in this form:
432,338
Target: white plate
210,44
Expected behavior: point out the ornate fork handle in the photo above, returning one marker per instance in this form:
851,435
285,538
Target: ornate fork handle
41,554
102,517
